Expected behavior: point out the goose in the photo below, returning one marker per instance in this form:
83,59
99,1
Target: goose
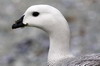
50,19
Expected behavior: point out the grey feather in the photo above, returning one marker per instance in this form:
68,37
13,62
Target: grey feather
88,60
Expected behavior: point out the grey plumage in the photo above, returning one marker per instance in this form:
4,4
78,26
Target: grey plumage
87,60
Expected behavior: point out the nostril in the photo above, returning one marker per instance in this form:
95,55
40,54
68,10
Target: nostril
18,21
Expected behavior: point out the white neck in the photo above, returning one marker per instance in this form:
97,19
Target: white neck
59,42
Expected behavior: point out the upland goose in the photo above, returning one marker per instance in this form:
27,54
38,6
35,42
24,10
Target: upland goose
51,20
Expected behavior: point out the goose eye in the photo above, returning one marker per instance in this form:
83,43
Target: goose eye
35,14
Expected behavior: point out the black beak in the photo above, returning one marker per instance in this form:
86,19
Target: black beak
19,23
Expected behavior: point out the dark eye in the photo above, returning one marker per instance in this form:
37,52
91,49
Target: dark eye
35,14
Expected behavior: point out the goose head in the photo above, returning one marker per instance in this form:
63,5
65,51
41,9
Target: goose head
53,22
44,17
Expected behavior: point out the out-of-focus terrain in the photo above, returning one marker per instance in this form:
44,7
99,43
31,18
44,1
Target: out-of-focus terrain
29,46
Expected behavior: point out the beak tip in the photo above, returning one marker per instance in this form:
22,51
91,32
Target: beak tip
18,23
13,26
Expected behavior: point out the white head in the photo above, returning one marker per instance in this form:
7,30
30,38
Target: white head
41,16
52,21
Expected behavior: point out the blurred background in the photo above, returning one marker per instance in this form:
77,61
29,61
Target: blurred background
29,46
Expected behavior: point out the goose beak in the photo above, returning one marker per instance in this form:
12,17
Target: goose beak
19,23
